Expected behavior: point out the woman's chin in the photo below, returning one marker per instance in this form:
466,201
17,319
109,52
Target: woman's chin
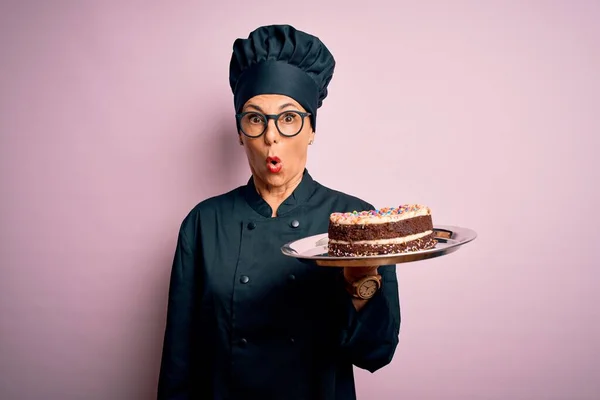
274,179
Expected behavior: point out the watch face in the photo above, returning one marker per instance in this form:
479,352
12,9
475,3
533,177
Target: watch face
367,289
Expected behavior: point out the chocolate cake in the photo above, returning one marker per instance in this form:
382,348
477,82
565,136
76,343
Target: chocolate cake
384,231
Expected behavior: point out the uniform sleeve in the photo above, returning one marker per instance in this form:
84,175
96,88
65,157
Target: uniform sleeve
369,337
177,363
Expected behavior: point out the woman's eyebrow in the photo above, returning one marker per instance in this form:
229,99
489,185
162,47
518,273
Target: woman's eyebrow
255,107
281,107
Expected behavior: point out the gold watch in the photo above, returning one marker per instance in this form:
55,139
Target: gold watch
365,287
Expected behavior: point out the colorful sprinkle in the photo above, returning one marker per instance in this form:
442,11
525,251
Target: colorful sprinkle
365,216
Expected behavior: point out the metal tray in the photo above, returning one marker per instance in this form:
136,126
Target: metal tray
313,249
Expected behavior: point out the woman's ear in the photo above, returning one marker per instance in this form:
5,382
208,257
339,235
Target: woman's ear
311,138
240,139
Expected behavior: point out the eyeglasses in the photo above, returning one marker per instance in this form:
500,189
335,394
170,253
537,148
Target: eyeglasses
253,124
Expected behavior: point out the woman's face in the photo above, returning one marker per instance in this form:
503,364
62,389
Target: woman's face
276,160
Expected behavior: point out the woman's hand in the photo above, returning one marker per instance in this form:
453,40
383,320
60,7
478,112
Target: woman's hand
351,274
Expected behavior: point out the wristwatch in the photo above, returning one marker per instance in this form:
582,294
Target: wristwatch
365,287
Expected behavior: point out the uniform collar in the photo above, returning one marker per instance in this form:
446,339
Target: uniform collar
299,196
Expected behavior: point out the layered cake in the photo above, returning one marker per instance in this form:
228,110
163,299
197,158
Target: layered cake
384,231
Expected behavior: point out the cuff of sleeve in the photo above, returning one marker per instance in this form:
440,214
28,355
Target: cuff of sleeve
371,320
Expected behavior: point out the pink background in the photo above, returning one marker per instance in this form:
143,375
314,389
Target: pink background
116,119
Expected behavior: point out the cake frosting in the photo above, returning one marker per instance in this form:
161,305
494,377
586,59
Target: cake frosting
380,216
387,230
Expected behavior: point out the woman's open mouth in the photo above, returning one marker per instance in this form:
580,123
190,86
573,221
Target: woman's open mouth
274,164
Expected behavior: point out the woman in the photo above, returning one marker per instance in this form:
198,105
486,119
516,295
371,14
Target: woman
244,321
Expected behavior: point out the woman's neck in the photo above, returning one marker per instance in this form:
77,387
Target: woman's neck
275,195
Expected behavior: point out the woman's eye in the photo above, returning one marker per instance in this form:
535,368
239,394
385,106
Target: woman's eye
289,118
255,119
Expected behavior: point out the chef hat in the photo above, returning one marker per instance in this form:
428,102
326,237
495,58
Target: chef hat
279,59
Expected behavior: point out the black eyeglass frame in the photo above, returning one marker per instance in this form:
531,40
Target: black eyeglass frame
267,117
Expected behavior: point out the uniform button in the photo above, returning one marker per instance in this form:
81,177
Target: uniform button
295,224
251,225
243,342
244,279
292,277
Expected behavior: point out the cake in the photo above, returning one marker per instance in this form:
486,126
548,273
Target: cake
406,228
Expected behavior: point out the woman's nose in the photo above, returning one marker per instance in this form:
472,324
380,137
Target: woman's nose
271,133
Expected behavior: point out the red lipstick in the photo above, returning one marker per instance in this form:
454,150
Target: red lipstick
274,164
